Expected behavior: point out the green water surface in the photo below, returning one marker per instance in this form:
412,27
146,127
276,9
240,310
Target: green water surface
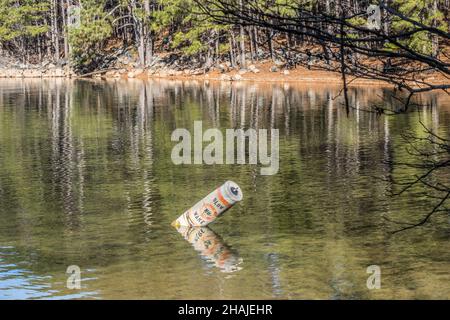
86,179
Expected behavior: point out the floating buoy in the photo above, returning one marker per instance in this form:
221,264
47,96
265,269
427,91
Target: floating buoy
210,207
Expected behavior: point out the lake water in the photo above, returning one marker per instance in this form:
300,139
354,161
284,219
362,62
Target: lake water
86,179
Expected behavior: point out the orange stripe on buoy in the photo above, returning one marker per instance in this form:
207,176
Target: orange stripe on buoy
221,198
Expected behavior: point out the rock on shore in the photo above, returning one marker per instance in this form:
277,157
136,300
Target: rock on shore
49,71
126,65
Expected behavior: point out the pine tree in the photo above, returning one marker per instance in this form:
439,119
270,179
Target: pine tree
189,30
88,39
423,11
21,22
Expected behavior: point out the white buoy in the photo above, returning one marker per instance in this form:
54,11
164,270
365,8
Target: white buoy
210,207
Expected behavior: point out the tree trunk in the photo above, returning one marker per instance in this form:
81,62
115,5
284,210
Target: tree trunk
255,42
269,38
148,35
252,49
217,45
328,12
39,49
65,31
138,27
242,40
342,53
386,22
435,39
288,46
231,41
141,45
54,27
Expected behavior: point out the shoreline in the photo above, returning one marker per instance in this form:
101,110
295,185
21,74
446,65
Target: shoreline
258,72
